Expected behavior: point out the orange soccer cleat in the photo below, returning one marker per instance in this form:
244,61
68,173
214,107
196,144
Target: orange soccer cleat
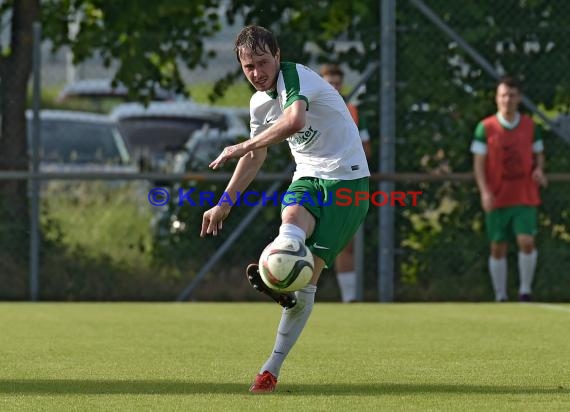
264,383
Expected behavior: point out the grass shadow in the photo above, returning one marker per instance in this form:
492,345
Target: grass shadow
175,387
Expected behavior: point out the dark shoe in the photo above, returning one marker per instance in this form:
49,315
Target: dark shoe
264,383
525,297
287,300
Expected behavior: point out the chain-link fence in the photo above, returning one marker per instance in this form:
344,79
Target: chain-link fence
104,240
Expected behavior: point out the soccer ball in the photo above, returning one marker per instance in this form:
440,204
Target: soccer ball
286,265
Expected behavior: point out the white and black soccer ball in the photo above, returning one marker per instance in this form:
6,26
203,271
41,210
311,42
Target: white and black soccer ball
286,265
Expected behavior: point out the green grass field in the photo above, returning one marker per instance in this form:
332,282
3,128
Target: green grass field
203,356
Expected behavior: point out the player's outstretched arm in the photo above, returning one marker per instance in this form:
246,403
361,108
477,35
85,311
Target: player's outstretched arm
245,172
292,121
252,154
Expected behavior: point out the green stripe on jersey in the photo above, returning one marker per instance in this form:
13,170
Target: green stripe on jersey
480,135
292,84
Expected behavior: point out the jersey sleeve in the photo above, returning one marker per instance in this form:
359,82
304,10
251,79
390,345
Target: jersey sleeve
479,143
537,145
292,82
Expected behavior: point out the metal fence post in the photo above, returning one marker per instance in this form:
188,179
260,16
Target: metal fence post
359,266
387,147
34,183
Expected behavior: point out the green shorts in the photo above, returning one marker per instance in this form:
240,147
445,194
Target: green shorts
338,215
502,223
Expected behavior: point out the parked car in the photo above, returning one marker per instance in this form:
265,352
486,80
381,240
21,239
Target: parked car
79,141
157,132
203,147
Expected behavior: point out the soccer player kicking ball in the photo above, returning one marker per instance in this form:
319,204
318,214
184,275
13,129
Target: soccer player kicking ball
294,103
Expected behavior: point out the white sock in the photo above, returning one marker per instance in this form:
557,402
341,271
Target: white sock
347,283
290,230
498,271
292,323
527,266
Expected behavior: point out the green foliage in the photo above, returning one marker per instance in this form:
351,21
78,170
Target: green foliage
146,40
297,22
96,245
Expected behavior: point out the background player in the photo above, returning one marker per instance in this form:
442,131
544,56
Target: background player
509,166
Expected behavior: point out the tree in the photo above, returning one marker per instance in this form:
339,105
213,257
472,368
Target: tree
15,68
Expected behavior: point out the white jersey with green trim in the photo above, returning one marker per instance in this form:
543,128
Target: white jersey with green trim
329,146
263,112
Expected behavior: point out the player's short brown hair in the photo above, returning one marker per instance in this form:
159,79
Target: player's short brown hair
511,82
331,70
256,38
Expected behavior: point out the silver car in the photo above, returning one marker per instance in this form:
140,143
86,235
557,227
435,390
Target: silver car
160,130
79,141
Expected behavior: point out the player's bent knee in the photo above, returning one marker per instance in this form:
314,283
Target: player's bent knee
299,216
525,243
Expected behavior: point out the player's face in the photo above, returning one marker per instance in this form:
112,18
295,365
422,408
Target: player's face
508,99
334,80
260,69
